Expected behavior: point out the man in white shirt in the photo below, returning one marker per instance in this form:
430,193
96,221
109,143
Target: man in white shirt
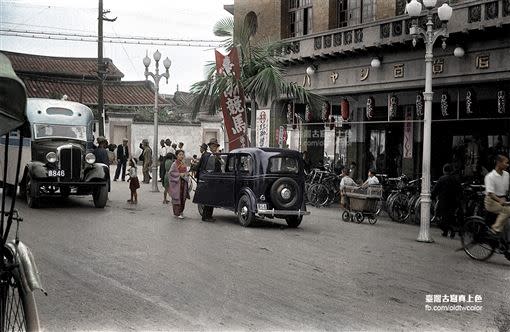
372,179
497,184
346,181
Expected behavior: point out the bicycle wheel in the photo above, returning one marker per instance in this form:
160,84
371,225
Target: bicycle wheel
475,241
18,310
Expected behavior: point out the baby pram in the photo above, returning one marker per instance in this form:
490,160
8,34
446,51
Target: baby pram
362,203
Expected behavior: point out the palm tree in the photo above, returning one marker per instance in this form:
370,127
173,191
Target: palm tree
262,73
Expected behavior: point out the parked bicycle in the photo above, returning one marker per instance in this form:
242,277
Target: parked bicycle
322,188
19,276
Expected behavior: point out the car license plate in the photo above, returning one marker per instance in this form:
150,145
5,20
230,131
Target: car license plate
56,172
262,206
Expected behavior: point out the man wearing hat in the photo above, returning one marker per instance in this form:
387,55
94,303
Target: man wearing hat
122,157
204,159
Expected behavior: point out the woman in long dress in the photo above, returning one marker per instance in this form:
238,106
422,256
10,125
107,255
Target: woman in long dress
178,184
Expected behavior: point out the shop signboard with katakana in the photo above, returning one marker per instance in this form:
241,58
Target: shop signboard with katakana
232,100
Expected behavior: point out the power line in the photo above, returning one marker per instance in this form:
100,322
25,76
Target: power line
76,35
94,40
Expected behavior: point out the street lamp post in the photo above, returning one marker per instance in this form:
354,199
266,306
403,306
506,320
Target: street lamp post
429,36
156,77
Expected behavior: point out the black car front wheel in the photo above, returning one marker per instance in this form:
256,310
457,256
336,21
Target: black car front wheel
244,213
100,197
294,221
31,189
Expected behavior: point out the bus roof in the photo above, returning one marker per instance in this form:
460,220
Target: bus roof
54,111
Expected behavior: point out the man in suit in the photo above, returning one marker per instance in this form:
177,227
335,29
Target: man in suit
216,164
122,158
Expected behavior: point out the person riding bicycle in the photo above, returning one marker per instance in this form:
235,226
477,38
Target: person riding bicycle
448,191
496,189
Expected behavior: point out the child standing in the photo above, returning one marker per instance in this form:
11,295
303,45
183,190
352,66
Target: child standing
133,182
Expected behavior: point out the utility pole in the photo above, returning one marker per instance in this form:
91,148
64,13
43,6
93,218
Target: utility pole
101,67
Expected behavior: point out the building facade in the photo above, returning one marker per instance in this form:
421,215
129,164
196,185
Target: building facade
129,105
359,55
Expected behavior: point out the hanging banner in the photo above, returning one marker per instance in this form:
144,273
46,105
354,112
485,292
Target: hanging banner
232,100
408,135
262,128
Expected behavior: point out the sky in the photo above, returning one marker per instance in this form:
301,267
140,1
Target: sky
179,19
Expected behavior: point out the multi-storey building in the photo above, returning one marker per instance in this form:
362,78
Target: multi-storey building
360,57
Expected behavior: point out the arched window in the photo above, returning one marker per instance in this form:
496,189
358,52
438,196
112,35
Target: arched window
251,21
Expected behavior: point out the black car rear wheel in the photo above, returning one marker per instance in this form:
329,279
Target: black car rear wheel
285,193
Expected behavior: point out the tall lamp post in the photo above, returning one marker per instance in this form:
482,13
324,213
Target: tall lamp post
156,77
414,9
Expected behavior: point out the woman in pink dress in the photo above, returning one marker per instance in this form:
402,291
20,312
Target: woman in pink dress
178,184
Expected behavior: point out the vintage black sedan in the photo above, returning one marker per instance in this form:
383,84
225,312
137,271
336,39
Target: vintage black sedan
254,182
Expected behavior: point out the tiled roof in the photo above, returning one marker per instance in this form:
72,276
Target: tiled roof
40,65
133,93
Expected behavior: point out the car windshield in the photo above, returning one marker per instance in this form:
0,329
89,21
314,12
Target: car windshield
61,131
282,164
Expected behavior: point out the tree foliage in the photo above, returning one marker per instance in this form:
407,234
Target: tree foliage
262,72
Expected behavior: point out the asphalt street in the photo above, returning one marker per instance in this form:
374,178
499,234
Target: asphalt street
130,267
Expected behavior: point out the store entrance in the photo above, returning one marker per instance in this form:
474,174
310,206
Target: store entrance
384,149
470,146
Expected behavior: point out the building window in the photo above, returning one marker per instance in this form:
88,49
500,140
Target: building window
341,13
300,17
353,12
367,11
400,7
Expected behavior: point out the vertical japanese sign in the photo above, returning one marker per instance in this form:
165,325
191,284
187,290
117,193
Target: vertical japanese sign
408,135
232,100
262,128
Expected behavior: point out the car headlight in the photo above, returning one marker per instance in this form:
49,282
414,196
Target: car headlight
51,157
90,158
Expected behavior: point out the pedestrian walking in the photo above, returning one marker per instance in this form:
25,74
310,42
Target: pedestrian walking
147,160
178,177
161,160
166,165
134,183
122,158
101,155
448,191
194,164
112,158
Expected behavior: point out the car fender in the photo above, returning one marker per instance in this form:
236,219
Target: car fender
253,202
96,172
37,169
29,274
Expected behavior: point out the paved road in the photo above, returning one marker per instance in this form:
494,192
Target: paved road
136,268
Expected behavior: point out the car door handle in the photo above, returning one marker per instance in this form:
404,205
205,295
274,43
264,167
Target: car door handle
201,181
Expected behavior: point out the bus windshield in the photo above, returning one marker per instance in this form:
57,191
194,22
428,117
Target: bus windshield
61,131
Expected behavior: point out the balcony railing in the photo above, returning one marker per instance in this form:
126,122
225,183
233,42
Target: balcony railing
467,15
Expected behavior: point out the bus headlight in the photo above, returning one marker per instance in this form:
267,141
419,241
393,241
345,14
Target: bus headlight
90,158
51,157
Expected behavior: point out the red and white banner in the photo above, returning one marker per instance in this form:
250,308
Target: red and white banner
232,100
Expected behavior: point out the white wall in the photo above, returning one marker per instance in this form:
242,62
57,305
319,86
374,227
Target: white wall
190,135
